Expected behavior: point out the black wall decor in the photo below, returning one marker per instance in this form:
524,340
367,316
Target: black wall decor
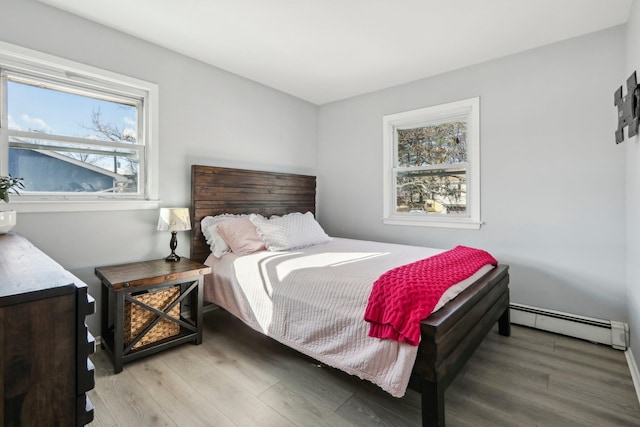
628,108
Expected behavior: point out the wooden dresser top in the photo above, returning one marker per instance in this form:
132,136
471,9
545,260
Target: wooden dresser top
28,274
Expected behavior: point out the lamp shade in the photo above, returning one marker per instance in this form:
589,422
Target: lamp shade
174,219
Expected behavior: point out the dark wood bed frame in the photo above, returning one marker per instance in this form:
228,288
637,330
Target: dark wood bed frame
448,337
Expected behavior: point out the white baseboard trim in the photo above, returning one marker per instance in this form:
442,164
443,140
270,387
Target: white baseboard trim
635,374
615,334
608,332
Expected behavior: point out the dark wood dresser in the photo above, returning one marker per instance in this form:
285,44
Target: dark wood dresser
45,371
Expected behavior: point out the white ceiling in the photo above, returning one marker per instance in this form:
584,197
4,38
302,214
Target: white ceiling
326,50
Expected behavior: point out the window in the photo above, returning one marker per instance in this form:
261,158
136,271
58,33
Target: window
80,137
432,166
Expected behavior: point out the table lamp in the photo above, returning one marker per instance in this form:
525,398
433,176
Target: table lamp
174,220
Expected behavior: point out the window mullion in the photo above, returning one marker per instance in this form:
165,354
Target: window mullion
71,139
444,166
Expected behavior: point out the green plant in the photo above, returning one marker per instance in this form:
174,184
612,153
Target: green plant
9,184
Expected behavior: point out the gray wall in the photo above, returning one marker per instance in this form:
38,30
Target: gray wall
552,178
632,147
207,116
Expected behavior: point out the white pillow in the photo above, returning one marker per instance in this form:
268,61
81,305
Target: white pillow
294,230
208,225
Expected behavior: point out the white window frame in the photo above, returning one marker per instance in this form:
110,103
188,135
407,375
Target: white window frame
468,109
30,62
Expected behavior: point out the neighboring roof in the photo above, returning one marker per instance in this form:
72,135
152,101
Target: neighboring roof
82,164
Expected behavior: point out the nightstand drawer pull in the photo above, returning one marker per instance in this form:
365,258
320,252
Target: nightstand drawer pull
167,277
126,285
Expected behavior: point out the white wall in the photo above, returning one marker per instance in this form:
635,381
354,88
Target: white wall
632,146
552,178
553,181
207,116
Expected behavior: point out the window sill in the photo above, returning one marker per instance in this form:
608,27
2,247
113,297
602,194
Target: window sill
80,205
433,222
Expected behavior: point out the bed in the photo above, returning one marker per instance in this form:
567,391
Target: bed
448,337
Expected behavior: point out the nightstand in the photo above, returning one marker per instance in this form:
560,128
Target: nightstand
150,306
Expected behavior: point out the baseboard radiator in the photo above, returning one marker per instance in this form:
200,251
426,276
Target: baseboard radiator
608,332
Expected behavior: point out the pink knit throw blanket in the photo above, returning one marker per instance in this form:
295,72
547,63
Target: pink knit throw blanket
405,295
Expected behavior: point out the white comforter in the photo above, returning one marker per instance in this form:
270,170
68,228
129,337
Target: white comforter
313,300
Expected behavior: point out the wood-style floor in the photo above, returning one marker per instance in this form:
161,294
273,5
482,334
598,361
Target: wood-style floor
237,377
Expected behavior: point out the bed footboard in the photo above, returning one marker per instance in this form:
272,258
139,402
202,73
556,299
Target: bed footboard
450,336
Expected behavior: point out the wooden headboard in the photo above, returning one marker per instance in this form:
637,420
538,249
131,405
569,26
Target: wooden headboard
216,191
